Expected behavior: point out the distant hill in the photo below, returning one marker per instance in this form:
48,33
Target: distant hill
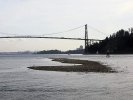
120,42
16,53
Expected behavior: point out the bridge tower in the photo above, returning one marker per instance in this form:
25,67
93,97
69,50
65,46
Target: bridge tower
86,40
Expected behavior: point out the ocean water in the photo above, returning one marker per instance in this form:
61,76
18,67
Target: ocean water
17,82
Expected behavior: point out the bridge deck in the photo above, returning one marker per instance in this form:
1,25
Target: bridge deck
48,37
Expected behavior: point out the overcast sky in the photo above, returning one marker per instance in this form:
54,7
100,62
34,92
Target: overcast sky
37,17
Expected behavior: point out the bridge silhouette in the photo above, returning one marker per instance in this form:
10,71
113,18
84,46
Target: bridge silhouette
88,41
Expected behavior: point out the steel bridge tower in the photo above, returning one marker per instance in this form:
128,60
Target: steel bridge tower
86,40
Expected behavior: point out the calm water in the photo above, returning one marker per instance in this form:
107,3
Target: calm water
19,83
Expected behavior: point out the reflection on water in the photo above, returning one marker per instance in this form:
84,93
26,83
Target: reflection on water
18,82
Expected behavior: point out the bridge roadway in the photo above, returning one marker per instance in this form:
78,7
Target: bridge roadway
48,37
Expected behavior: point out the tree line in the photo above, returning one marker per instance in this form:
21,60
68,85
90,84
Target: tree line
61,52
120,42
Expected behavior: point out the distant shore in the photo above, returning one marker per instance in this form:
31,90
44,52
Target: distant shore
81,66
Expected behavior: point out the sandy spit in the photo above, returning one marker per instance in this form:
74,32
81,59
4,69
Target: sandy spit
85,66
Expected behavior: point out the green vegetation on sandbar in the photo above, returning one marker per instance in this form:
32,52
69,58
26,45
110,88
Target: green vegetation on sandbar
81,66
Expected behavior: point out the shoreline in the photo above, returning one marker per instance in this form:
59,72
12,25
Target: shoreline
82,66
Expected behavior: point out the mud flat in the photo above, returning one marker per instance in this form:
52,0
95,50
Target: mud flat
80,66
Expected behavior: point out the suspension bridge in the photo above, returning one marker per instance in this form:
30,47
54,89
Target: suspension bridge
88,41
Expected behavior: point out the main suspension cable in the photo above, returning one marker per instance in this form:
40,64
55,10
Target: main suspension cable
65,30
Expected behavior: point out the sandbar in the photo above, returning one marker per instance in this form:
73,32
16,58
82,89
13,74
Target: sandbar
77,66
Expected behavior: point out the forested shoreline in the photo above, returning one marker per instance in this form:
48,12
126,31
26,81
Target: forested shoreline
120,42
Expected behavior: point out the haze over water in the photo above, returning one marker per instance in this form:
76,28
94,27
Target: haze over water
19,82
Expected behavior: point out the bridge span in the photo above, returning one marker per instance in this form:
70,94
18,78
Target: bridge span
49,38
88,41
